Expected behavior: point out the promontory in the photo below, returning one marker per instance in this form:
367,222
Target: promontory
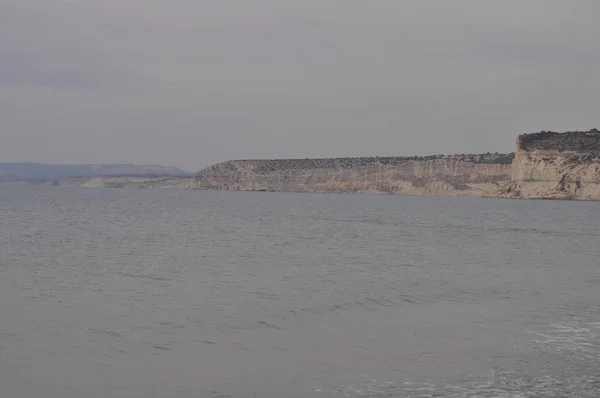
545,165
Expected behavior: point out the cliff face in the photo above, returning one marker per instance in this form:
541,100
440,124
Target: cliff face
359,175
556,166
546,165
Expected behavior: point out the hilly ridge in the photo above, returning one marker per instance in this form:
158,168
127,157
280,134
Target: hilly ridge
45,172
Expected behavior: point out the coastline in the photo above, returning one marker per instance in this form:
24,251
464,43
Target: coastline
546,165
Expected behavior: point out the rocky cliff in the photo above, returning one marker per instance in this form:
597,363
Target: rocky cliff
553,165
546,165
392,175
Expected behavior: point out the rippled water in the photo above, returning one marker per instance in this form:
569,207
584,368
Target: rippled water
134,293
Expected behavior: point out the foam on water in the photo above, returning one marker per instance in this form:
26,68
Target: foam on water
571,339
575,342
505,385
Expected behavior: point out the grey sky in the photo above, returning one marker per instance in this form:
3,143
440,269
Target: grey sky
193,82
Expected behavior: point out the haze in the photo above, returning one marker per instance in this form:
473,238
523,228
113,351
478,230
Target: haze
189,83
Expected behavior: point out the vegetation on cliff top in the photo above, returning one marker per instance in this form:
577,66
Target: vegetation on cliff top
577,141
283,164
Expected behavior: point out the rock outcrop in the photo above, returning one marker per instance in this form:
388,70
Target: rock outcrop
551,165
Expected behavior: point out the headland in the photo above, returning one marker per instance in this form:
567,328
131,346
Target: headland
546,165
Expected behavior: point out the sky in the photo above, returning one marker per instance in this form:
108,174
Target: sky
190,83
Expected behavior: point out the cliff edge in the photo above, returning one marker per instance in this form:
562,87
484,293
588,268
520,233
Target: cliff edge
550,165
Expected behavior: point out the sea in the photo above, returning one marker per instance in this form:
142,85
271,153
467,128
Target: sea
133,293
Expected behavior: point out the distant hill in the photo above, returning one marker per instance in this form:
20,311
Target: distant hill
45,172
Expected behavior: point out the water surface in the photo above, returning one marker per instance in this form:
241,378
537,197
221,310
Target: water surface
135,293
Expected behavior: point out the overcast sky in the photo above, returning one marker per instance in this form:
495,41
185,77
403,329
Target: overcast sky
193,82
